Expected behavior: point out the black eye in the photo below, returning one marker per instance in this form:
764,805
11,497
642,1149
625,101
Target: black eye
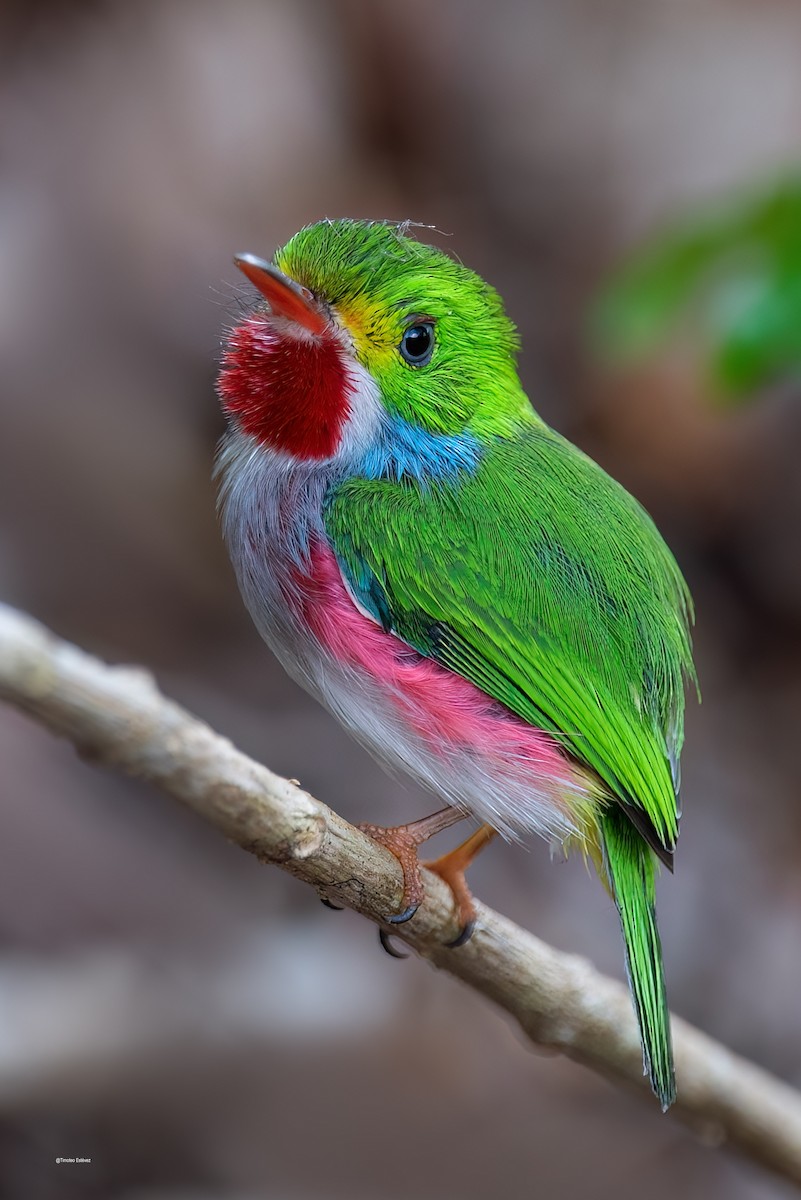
417,344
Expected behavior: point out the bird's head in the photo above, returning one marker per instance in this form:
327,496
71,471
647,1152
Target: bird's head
363,331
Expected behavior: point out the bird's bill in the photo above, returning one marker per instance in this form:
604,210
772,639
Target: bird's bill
285,297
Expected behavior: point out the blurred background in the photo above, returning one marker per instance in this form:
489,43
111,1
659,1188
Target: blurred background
623,172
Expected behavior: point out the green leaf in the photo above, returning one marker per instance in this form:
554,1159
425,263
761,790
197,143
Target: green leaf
728,279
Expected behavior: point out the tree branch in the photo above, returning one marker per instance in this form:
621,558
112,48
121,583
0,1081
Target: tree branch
116,716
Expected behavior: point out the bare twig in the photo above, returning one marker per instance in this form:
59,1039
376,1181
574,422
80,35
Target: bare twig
117,717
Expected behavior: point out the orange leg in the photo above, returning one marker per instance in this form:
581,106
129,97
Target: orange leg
403,841
451,868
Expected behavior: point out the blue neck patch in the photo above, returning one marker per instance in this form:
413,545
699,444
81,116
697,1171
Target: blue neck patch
408,451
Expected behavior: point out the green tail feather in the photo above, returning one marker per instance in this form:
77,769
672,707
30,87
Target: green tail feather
630,869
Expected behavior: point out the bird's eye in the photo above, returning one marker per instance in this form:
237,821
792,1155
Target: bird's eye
417,344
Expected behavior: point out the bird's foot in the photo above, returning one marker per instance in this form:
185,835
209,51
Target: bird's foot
403,841
451,869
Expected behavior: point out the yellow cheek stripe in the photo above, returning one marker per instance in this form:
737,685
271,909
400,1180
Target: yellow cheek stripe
374,335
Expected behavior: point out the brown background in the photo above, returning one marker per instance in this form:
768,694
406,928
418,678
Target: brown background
199,1025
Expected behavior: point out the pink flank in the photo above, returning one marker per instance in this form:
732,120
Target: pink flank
446,710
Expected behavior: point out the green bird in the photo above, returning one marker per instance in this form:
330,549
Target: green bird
476,600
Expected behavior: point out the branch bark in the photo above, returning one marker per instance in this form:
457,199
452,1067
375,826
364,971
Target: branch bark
116,716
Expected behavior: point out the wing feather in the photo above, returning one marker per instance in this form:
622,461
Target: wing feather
543,582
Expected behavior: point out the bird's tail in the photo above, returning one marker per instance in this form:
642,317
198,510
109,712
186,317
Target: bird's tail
629,866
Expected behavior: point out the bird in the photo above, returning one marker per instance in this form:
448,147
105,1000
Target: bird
476,600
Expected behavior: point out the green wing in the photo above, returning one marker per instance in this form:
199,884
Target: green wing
543,582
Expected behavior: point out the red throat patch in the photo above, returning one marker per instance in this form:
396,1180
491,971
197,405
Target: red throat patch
291,393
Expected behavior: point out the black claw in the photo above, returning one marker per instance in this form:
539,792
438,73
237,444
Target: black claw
463,936
383,937
334,907
403,917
